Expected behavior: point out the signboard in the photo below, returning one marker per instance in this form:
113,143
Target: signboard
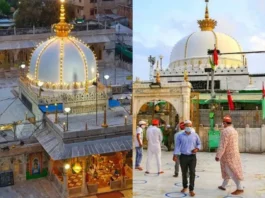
6,178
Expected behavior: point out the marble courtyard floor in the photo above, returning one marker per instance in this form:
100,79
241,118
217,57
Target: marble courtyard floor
208,178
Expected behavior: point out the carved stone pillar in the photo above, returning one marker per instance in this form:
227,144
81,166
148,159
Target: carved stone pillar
185,106
84,186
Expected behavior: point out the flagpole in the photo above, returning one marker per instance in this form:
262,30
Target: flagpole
212,88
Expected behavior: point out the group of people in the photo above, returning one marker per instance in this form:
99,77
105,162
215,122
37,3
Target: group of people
186,145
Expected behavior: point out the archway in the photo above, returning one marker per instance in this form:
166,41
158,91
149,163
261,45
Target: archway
166,114
177,94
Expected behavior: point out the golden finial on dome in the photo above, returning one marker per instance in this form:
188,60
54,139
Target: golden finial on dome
62,28
207,24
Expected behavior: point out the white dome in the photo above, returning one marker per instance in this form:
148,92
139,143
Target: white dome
197,44
62,60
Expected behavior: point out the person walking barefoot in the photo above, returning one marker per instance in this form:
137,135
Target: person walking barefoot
139,145
154,138
229,157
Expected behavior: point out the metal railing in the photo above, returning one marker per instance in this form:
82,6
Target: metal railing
240,118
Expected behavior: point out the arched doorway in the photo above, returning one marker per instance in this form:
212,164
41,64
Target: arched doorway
166,114
177,94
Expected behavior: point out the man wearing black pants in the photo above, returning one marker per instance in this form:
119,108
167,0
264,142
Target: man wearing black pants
188,144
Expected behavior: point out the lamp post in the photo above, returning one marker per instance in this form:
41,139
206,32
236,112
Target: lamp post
22,66
67,110
106,78
131,105
47,107
97,77
105,125
64,127
56,114
125,120
40,85
65,180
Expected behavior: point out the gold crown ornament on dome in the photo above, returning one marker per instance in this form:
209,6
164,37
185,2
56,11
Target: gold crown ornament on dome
62,29
207,24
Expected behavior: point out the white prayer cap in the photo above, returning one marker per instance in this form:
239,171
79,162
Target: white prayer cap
168,125
187,122
142,122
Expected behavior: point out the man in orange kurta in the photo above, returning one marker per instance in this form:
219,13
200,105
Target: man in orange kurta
229,156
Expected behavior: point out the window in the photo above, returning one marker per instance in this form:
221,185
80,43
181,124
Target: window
93,11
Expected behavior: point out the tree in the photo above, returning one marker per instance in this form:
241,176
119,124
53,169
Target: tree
13,3
4,7
41,13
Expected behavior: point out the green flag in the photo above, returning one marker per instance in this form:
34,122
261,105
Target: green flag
263,108
211,63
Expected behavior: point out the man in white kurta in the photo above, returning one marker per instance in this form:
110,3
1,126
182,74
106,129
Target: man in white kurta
154,137
229,157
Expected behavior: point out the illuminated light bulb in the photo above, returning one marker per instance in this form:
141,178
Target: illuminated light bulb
66,166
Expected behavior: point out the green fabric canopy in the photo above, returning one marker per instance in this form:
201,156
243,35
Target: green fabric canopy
124,50
150,104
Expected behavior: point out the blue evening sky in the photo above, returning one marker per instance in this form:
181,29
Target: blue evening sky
158,25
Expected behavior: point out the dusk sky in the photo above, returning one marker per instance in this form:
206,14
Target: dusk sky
159,25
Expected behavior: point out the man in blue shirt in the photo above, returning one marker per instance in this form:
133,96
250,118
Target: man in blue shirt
187,145
181,130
